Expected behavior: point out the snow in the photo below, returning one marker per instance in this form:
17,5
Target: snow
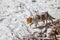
12,17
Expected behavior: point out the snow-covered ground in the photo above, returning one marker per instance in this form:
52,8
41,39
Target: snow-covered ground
14,12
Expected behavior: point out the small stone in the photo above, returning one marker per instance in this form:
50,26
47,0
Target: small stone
58,7
33,0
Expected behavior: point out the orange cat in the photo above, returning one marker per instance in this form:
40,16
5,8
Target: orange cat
38,18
